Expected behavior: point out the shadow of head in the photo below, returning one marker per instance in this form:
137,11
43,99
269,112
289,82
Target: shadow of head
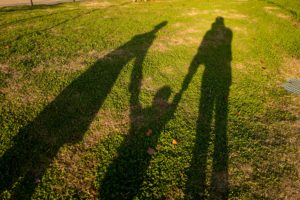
219,23
160,25
161,97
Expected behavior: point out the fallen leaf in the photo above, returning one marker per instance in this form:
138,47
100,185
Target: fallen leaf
93,191
149,132
174,141
150,151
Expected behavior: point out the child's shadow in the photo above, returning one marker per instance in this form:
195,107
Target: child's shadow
126,173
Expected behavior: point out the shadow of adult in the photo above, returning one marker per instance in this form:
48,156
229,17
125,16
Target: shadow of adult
66,119
215,54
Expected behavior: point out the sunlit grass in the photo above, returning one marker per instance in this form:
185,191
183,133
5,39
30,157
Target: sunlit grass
55,58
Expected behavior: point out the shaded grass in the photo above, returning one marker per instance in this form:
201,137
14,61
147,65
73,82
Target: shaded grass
58,76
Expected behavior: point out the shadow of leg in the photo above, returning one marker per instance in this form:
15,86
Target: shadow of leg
219,178
197,188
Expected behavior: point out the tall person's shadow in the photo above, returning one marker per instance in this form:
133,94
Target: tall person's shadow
215,54
66,118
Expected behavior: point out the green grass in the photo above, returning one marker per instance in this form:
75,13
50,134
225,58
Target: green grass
82,83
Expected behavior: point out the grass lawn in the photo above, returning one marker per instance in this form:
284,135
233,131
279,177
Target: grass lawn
167,99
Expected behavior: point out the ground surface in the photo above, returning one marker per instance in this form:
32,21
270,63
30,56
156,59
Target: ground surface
158,100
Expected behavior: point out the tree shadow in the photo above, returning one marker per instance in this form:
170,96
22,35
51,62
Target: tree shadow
66,119
21,36
215,54
18,7
64,21
18,21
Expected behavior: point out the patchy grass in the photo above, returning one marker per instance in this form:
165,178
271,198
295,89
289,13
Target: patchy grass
293,7
94,94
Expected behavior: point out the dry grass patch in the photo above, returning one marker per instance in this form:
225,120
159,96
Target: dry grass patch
160,47
105,124
230,14
12,73
73,66
247,170
283,16
240,30
271,8
290,67
77,172
275,11
175,193
18,91
191,12
178,24
180,40
188,31
235,16
96,4
239,66
218,12
20,94
290,189
77,64
289,185
168,70
148,84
